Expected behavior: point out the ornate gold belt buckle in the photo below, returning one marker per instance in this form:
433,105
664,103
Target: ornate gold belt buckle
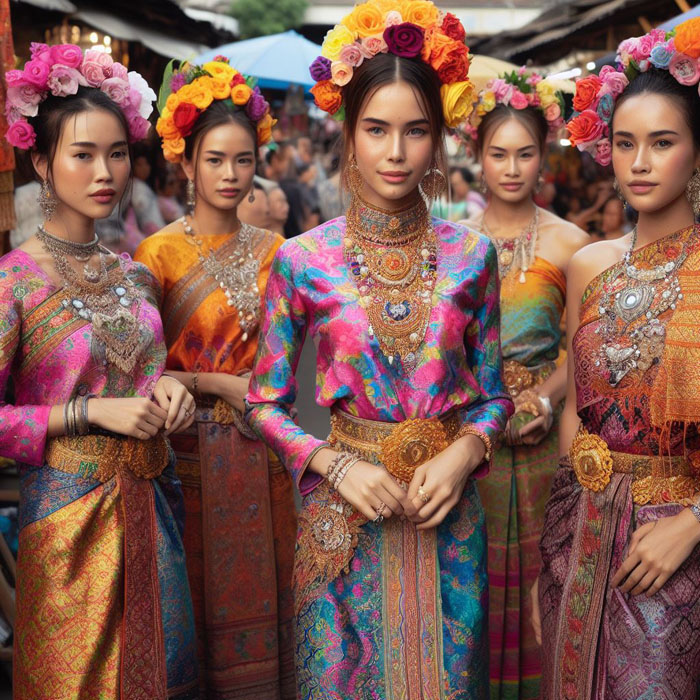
410,444
591,460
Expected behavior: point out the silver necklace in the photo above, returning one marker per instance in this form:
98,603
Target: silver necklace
515,252
238,277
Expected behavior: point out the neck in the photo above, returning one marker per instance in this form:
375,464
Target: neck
376,200
508,218
71,225
212,221
652,226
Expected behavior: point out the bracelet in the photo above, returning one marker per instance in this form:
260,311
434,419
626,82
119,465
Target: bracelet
344,470
695,509
339,467
83,423
469,429
70,414
65,417
195,384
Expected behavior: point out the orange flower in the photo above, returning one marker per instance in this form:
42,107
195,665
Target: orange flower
587,92
327,96
173,149
265,129
365,20
687,38
172,102
434,42
420,12
220,89
166,128
450,60
199,93
240,94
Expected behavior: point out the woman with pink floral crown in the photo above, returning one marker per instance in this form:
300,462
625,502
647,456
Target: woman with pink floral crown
619,600
513,119
390,570
239,500
103,603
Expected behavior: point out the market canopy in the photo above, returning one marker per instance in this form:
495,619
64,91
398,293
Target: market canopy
277,60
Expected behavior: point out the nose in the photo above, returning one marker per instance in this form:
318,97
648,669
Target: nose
103,170
230,172
513,169
397,152
641,161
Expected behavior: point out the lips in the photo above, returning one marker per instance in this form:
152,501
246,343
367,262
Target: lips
512,186
103,196
231,193
394,176
641,186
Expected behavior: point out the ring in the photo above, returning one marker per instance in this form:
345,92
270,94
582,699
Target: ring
380,512
423,495
188,413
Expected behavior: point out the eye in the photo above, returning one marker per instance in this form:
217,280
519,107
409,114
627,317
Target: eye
664,143
527,155
213,160
375,130
245,160
417,131
623,144
119,155
497,156
82,155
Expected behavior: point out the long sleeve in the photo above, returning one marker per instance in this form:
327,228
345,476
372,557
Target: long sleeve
273,387
491,411
23,429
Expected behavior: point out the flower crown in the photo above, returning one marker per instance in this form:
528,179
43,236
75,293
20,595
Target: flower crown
60,70
406,28
188,90
519,90
677,51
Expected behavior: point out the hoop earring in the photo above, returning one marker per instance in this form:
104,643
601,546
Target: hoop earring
46,200
251,196
618,192
433,184
692,191
191,195
354,177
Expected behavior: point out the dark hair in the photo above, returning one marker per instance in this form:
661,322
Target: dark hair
531,118
385,69
661,82
464,173
54,112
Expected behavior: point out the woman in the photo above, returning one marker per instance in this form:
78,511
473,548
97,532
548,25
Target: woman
239,503
103,605
396,608
279,209
534,248
618,591
167,188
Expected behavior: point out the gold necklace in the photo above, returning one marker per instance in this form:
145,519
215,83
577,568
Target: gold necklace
515,252
392,257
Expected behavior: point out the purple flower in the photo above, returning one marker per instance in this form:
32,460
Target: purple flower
405,39
256,107
320,69
178,80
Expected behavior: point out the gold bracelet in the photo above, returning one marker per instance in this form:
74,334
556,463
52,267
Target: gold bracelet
470,429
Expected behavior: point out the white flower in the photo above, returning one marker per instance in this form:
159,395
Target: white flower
148,97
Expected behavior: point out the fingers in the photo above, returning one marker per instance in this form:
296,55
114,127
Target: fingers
176,399
160,395
625,569
638,535
439,516
185,416
658,584
633,578
393,505
532,426
645,583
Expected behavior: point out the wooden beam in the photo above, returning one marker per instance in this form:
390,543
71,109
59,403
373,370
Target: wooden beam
683,5
645,24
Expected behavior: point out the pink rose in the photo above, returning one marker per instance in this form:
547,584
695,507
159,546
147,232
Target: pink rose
36,72
25,99
12,114
603,154
552,112
116,89
372,45
138,126
135,98
102,58
613,81
501,89
644,47
64,81
684,69
393,18
36,49
15,78
21,134
518,100
534,79
352,55
658,35
117,70
68,55
341,73
93,73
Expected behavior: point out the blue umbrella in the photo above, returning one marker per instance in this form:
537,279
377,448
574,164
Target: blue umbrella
277,60
673,23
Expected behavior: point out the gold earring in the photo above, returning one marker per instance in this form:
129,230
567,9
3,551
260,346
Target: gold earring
482,184
692,191
433,183
354,177
191,195
251,196
46,200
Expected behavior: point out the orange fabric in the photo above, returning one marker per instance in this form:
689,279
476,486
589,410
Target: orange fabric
211,338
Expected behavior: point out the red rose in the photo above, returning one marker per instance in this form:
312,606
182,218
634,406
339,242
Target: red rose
586,96
237,79
452,27
184,117
586,128
451,63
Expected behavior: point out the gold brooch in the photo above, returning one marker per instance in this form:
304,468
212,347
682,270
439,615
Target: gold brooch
410,444
591,460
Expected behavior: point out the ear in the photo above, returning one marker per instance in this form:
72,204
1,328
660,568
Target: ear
41,165
188,168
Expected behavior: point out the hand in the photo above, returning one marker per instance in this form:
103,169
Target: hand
173,397
443,478
135,417
656,551
229,388
535,431
366,487
536,619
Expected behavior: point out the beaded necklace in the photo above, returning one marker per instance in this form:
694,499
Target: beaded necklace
392,257
515,252
238,277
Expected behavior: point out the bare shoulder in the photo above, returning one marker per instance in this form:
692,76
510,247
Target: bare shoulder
587,263
559,239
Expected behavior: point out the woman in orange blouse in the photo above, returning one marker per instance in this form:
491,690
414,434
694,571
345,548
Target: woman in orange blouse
240,522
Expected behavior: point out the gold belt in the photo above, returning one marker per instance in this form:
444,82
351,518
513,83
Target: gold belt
100,456
517,378
400,447
655,479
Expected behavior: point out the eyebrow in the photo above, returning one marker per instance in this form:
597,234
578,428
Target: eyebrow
654,134
381,122
223,155
90,144
522,148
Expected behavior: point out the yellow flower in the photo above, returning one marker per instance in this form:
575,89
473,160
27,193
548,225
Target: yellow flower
265,129
546,92
240,94
420,12
200,94
365,20
165,126
385,6
173,149
487,103
457,101
173,101
220,89
220,70
335,40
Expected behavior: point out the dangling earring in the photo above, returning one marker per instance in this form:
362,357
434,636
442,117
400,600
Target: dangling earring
482,184
46,200
618,192
251,196
433,184
191,195
540,184
692,191
354,177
